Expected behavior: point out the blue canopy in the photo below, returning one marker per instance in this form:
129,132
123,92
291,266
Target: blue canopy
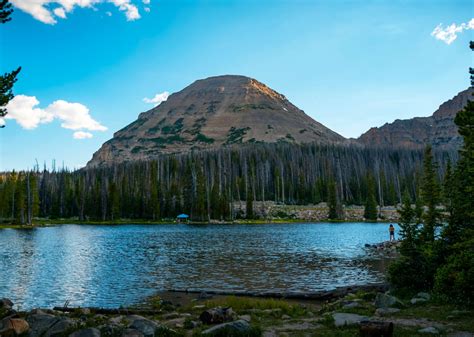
183,216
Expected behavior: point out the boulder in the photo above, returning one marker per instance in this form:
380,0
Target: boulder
386,311
429,329
145,326
59,327
13,327
423,295
5,303
131,333
90,332
386,301
239,326
416,300
342,319
40,323
217,315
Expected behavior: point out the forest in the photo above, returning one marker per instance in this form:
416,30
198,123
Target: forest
204,184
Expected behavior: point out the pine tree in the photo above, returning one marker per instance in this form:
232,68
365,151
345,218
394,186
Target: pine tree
370,211
249,203
430,192
332,200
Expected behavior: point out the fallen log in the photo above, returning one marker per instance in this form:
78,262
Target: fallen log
376,329
319,295
105,311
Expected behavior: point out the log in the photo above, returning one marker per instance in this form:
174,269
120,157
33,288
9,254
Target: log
104,311
376,329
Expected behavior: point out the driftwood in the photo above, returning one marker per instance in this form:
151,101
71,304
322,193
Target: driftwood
217,315
320,295
376,329
104,311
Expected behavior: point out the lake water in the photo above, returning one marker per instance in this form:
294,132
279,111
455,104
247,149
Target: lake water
110,266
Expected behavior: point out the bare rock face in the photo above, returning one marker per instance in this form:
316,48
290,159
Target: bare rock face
210,113
438,130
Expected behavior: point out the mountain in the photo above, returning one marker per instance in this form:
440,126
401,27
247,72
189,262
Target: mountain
438,129
210,113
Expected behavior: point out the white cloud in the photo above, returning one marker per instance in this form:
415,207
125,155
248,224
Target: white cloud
146,9
157,99
41,9
60,12
450,33
82,135
146,2
73,116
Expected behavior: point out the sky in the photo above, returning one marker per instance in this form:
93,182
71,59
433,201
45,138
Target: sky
89,67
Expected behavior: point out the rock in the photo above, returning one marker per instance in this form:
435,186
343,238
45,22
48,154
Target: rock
176,322
85,311
145,326
60,327
386,311
417,300
217,315
199,306
90,332
239,326
110,330
285,317
342,319
425,296
247,318
13,327
40,323
351,305
117,320
386,301
191,324
5,303
131,333
429,329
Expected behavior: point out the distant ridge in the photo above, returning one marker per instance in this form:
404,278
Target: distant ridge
439,130
211,113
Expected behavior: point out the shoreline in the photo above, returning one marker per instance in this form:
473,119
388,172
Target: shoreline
51,223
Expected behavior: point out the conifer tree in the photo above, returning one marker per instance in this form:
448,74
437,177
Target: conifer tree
430,192
370,211
332,200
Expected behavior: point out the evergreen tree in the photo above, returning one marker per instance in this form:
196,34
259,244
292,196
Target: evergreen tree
370,211
430,195
249,203
332,200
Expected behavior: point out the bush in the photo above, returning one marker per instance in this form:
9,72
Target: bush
454,281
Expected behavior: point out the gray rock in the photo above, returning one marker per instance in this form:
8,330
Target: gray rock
423,295
247,318
386,311
60,327
90,332
342,319
386,301
429,329
5,303
131,333
351,305
416,300
145,326
41,323
236,326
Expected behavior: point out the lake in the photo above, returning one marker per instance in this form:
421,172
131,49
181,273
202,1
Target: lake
110,266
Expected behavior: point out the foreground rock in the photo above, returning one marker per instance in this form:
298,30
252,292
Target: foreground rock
90,332
343,319
13,327
387,301
239,326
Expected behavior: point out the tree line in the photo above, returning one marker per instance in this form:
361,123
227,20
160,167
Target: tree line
205,184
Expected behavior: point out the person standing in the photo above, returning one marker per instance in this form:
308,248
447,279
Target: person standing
391,230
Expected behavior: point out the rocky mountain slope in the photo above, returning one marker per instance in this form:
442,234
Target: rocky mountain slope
210,113
438,129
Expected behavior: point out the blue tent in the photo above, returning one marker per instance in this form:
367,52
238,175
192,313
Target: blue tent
183,216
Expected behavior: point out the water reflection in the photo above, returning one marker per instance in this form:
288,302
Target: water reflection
120,265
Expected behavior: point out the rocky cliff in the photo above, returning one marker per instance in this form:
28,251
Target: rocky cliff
438,129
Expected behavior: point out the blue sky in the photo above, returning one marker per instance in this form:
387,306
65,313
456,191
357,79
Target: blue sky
350,65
